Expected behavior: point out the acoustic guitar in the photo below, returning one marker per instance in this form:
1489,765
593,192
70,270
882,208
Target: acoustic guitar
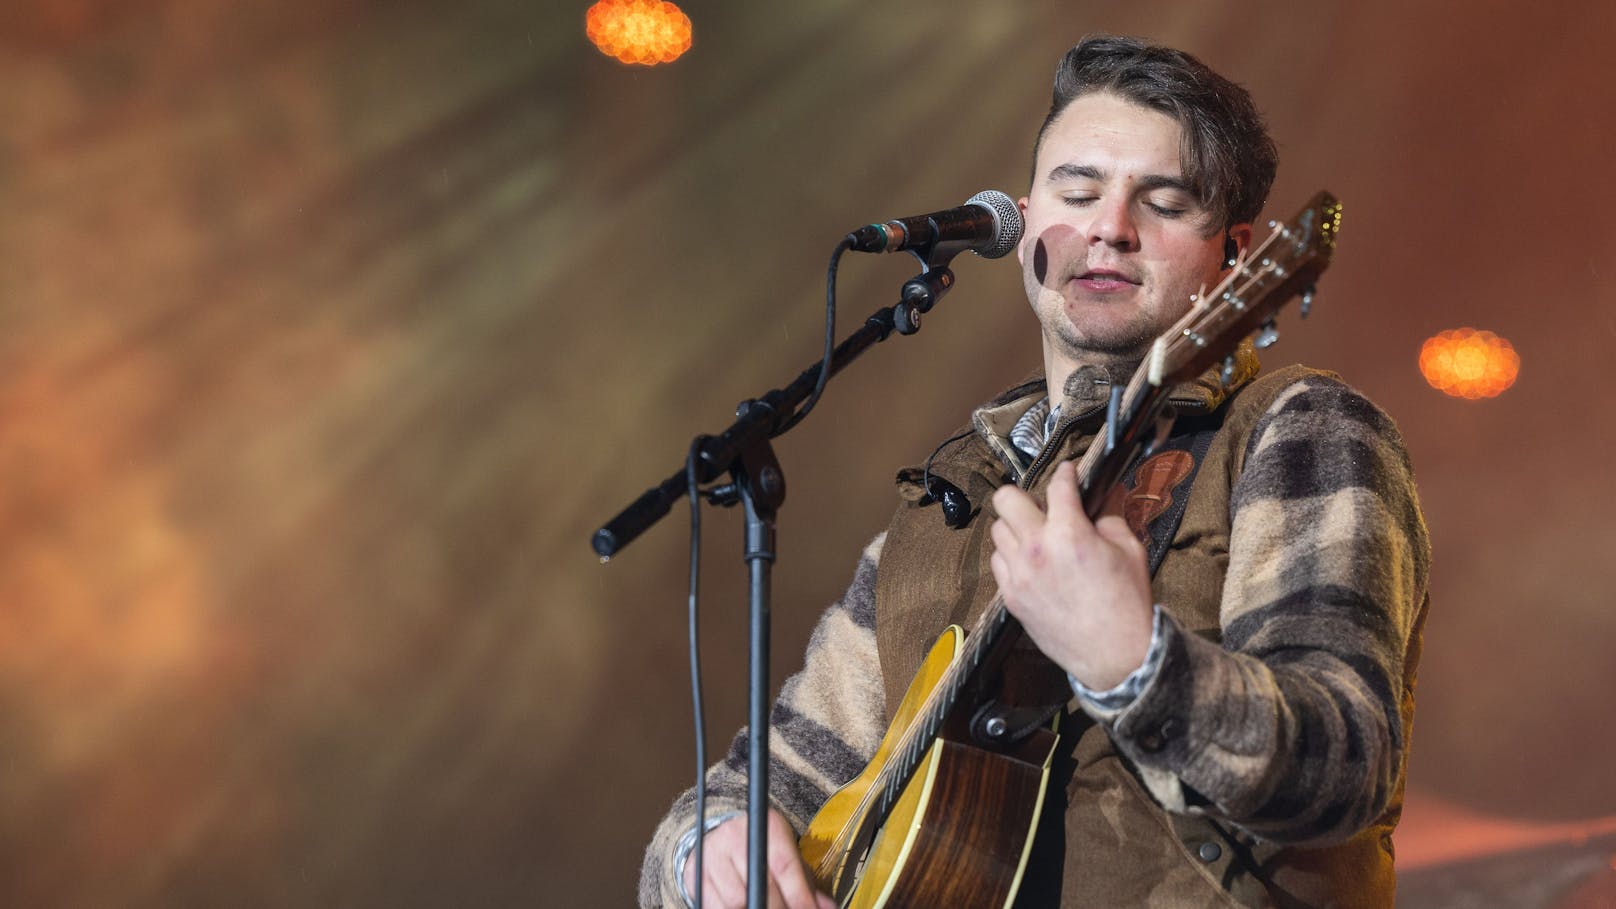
943,815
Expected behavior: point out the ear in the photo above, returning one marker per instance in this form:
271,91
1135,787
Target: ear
1239,238
1021,206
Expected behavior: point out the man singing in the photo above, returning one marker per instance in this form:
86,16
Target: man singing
1239,717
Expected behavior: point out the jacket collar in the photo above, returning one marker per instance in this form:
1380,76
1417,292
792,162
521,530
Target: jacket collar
1087,392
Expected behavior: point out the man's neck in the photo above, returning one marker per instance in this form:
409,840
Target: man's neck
1059,371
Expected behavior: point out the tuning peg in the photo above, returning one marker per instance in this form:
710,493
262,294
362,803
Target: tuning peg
1268,335
1307,301
1228,369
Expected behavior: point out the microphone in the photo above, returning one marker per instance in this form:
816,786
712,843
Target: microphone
988,224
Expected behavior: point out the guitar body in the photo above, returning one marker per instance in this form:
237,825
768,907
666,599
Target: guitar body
959,833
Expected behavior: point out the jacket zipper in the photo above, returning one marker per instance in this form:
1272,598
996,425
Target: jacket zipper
1051,445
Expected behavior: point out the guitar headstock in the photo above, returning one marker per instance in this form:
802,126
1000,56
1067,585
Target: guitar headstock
1286,264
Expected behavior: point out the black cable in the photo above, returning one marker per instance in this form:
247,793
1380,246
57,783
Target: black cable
956,506
925,477
695,662
830,335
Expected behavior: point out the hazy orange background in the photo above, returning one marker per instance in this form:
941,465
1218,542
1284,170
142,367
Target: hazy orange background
330,330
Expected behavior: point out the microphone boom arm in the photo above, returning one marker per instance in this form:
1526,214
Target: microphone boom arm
760,419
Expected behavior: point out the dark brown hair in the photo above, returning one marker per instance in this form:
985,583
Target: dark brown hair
1227,155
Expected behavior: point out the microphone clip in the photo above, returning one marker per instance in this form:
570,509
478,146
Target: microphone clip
918,295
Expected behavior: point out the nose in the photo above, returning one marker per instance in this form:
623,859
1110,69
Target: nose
1113,225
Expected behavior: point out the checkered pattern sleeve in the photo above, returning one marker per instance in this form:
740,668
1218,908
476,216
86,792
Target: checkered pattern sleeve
1291,727
824,728
1108,704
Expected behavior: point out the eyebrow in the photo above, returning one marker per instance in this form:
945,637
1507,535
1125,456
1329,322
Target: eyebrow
1071,171
1090,172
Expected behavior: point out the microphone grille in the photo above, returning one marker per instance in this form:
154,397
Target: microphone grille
1006,222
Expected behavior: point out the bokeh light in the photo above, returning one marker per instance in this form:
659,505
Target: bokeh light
645,32
1467,363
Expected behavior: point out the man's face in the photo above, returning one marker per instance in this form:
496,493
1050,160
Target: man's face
1115,241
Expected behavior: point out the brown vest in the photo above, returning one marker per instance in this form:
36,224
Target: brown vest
1104,842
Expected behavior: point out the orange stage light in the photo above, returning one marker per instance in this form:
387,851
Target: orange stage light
646,32
1467,363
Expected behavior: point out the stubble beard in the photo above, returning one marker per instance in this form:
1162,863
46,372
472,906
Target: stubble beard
1123,345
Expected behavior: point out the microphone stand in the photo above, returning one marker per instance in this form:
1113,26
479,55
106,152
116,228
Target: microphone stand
744,452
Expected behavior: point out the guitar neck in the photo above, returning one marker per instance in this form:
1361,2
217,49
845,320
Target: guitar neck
993,627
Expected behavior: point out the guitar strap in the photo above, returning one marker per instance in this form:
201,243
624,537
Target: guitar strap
1153,496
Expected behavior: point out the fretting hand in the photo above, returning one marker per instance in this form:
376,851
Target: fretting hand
1080,588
